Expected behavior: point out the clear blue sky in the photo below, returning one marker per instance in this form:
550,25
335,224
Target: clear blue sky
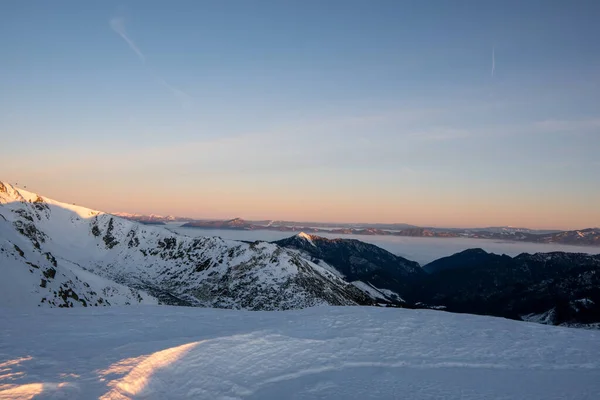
427,112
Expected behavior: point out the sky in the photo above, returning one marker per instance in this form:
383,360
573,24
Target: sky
436,113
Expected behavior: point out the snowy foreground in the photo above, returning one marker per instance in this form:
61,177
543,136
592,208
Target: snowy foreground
154,352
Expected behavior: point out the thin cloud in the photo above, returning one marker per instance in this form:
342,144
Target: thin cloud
556,125
493,61
117,24
184,98
439,134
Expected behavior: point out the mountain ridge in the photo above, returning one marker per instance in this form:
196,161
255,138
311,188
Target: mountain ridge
562,287
193,271
584,237
359,261
557,287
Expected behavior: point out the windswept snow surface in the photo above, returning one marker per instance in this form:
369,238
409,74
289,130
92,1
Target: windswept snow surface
319,353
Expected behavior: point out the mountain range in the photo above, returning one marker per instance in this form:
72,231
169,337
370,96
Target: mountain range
557,288
583,237
62,255
356,261
152,219
55,254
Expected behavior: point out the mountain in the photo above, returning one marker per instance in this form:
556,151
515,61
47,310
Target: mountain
562,288
358,261
32,274
589,236
583,237
151,219
63,255
235,223
469,258
334,225
512,229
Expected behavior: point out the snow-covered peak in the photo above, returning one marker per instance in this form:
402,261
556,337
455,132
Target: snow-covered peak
11,194
305,236
126,215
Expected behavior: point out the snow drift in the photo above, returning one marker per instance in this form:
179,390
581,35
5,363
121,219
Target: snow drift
316,353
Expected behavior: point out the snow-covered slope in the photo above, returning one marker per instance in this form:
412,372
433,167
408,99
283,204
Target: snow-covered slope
317,353
176,269
31,275
372,268
378,294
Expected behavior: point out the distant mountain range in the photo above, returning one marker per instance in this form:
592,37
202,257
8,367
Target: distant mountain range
584,237
54,254
152,219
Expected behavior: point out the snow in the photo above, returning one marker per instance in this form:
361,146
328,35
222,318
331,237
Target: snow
318,262
377,293
26,282
323,352
370,290
391,294
326,266
542,318
306,237
585,302
82,212
125,214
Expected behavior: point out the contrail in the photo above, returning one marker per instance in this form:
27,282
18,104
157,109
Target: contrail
184,98
493,60
118,25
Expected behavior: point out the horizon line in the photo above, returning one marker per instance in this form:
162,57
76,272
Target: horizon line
307,222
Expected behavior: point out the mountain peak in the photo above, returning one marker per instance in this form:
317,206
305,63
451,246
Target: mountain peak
473,251
235,222
305,236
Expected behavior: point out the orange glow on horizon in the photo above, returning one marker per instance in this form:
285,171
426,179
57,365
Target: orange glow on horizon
417,207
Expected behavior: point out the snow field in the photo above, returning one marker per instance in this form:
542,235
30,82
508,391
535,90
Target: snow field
323,352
